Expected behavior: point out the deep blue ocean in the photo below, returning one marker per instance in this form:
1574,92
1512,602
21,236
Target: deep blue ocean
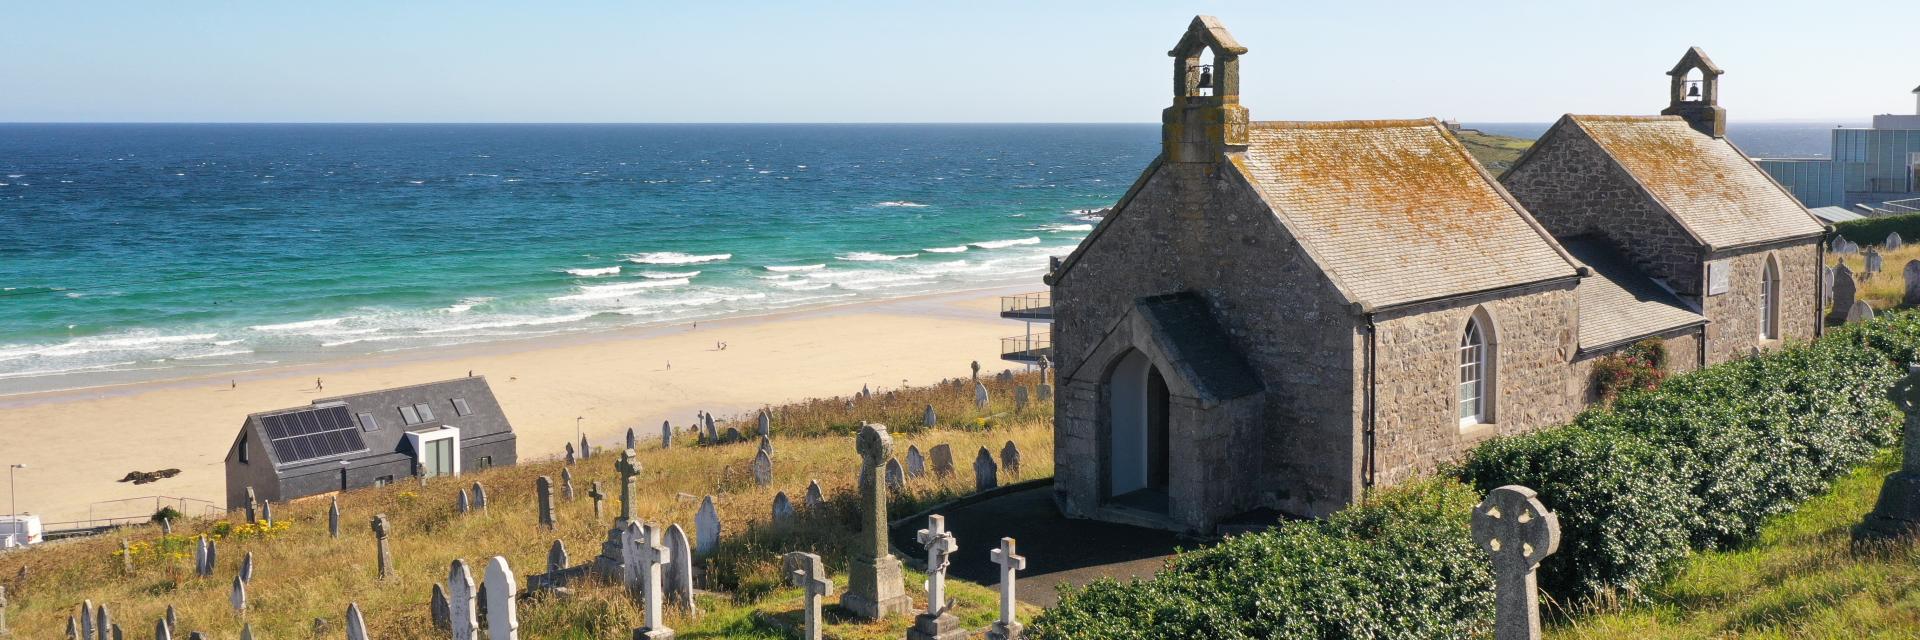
130,251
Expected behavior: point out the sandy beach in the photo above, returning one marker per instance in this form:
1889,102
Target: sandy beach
78,443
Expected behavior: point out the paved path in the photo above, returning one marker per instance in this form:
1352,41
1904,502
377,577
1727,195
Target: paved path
1058,550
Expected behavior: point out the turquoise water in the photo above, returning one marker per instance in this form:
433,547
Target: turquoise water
134,251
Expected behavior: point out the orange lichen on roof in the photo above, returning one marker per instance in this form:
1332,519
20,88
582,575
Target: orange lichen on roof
1710,186
1397,210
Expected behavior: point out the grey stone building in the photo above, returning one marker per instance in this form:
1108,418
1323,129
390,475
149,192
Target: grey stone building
369,439
1283,314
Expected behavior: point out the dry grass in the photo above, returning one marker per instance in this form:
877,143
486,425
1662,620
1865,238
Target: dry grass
1885,288
302,574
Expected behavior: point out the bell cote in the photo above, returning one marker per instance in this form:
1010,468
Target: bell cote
1694,93
1206,120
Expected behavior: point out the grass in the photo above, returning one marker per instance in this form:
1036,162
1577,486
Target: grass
1885,288
302,574
1801,579
1496,153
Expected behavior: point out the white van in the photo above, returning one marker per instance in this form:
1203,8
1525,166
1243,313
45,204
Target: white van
19,531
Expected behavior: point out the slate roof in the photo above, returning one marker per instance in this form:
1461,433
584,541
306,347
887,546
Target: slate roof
1834,214
1396,210
1199,349
388,436
1618,303
1710,187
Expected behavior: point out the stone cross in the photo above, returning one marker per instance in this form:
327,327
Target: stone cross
439,609
979,396
766,424
876,587
916,463
569,454
333,518
937,623
1020,398
1010,459
461,608
666,435
503,619
807,572
1844,288
252,502
976,370
634,443
1519,532
986,475
928,419
237,597
385,553
543,489
706,525
593,491
586,451
557,558
1910,277
942,460
896,476
1861,312
782,508
1897,512
566,483
460,502
762,468
814,497
678,580
1007,628
246,567
356,623
629,469
647,553
479,497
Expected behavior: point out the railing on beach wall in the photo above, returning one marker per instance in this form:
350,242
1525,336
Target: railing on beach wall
107,514
1037,307
1028,349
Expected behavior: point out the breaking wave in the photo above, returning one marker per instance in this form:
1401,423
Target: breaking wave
589,273
1002,244
675,257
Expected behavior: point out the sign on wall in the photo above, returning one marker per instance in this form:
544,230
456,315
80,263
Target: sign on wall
1717,271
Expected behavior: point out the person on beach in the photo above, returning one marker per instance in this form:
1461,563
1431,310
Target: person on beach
317,386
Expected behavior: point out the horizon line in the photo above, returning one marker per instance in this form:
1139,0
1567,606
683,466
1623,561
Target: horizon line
1853,120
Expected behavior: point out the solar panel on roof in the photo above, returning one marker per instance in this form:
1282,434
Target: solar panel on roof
313,433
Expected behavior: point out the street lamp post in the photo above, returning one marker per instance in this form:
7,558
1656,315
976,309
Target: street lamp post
13,507
576,428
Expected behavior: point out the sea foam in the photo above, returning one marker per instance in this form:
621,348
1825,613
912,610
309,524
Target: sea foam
868,256
675,257
589,273
1002,244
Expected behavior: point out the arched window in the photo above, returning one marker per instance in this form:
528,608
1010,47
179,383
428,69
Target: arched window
1770,300
1475,368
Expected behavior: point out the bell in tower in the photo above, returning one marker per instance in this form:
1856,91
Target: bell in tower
1206,120
1695,94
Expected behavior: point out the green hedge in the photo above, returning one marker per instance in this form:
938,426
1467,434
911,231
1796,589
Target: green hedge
1699,462
1866,231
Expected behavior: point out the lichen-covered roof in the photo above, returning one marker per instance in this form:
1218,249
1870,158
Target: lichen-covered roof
1711,188
1618,303
1396,210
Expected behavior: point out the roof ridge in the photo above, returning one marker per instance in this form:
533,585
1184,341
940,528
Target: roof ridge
1621,118
1343,124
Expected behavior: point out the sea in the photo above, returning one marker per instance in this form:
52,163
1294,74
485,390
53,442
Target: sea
140,251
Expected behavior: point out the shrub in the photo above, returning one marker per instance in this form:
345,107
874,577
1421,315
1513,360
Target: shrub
1868,231
166,513
1639,367
1400,566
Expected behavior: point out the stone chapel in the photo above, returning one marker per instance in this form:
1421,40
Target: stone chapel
1282,315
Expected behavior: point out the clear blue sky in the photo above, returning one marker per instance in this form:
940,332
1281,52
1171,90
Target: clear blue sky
971,61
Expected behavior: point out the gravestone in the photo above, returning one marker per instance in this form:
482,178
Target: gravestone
126,556
942,461
586,450
916,463
807,572
103,623
569,454
503,619
381,548
200,556
593,491
460,502
979,397
1861,312
609,564
706,525
1897,512
172,617
928,419
246,567
557,558
666,435
356,623
566,484
1043,392
86,620
479,497
782,508
543,490
762,469
896,477
1910,276
1519,532
1007,627
765,426
733,435
986,475
766,446
1010,459
814,497
237,596
1873,262
462,607
166,526
1894,241
713,432
876,587
1020,398
679,571
333,518
439,610
252,501
937,623
266,511
634,443
648,554
160,630
1843,292
1826,287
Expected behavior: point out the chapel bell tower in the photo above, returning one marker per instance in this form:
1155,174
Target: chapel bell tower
1695,94
1206,119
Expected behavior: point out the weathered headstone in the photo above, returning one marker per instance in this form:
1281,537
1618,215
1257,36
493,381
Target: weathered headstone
126,556
1894,241
942,460
356,623
1010,459
1861,312
503,617
543,491
161,630
765,426
896,477
979,397
633,443
937,623
381,548
766,446
629,467
86,620
814,497
593,491
1844,289
586,450
1007,627
460,502
713,432
479,497
876,587
266,511
172,617
648,554
252,503
782,508
666,435
632,536
986,474
762,469
570,458
166,526
679,571
1873,261
928,419
733,435
333,518
103,622
236,597
462,608
439,609
808,573
1910,276
706,525
1519,532
557,558
566,483
1043,392
246,567
916,463
1020,398
1897,512
200,557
